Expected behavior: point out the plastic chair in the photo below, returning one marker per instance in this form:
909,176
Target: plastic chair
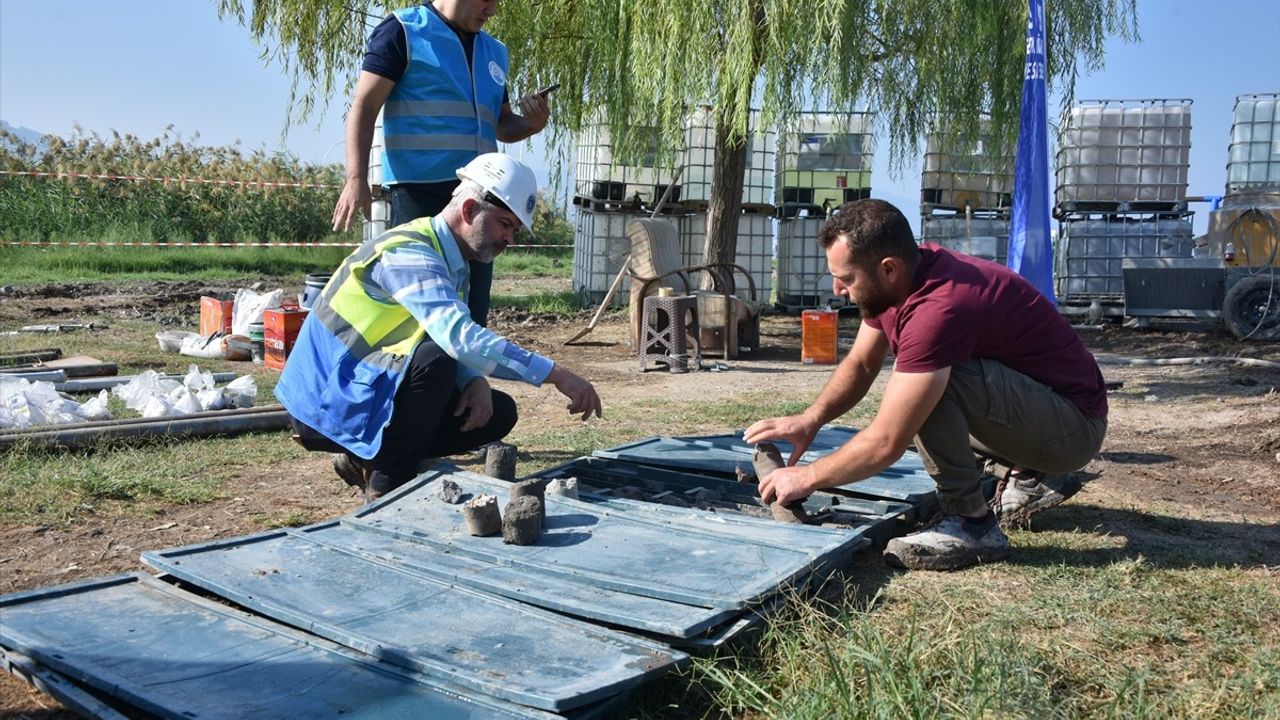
727,321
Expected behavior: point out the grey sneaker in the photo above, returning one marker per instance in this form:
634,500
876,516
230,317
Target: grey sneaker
950,543
350,470
1024,496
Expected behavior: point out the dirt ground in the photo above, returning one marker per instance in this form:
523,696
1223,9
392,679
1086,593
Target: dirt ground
1196,441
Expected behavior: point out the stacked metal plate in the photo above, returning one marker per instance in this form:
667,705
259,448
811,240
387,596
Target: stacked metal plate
723,455
397,611
128,645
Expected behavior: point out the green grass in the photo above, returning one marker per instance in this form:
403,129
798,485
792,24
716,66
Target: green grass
555,303
51,487
1038,637
1103,612
538,263
30,265
61,264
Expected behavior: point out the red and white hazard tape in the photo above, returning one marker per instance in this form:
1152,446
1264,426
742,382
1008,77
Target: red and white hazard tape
188,244
203,181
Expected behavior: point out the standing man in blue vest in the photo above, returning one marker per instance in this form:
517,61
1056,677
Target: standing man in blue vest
440,82
389,368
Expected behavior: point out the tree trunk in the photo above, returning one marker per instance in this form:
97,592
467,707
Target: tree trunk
730,163
726,196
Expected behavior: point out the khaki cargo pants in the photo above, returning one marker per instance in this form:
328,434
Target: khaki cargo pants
991,413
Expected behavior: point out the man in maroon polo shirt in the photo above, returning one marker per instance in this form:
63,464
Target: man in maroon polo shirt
987,375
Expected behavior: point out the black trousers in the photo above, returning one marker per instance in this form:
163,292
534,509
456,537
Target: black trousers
423,424
410,201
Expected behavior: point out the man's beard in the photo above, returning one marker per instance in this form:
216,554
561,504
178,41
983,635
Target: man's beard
875,303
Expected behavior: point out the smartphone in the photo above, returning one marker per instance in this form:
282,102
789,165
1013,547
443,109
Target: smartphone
549,89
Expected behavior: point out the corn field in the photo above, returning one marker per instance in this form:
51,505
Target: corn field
165,190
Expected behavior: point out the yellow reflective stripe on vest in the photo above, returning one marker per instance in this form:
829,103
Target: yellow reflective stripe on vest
368,327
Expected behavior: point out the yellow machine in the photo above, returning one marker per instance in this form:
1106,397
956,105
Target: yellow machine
1246,230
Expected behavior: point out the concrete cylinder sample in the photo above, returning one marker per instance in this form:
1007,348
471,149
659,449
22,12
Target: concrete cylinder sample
500,461
563,487
535,488
482,516
766,459
522,521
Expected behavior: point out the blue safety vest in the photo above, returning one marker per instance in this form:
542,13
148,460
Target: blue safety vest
343,372
441,115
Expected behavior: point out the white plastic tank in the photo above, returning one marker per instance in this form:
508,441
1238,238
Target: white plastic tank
600,246
754,251
380,212
824,160
600,179
804,281
1123,151
1091,251
982,237
959,174
1254,158
699,160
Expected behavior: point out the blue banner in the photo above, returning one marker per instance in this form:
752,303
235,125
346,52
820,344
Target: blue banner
1030,247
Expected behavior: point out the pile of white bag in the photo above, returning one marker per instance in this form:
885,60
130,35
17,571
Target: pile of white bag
25,404
155,396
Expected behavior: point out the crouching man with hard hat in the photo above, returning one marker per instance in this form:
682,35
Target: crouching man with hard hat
389,369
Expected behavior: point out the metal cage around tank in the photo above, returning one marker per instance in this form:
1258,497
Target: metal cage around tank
1123,155
1253,163
824,160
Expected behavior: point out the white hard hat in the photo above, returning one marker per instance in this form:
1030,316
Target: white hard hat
508,180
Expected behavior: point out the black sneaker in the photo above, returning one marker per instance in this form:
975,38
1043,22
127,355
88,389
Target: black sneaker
351,470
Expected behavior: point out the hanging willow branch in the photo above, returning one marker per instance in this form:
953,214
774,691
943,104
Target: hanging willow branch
644,63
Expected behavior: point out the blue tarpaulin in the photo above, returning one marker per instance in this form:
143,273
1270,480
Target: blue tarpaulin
1030,248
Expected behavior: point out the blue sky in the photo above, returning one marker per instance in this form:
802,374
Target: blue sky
138,66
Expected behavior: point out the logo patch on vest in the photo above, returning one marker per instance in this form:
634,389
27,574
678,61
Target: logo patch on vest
495,72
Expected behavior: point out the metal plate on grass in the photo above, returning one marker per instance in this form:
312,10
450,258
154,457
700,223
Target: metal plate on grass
633,612
80,700
685,558
729,499
905,480
175,655
492,645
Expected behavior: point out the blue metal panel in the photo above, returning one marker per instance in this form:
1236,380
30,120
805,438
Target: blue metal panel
867,517
829,438
688,561
635,612
905,480
175,655
496,646
79,700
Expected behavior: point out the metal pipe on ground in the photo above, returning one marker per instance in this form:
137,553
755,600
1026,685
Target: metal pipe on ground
49,376
96,384
24,357
218,422
141,420
76,370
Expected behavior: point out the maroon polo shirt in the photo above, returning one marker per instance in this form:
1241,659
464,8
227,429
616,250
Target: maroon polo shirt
962,308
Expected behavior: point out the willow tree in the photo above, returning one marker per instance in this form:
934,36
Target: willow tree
645,63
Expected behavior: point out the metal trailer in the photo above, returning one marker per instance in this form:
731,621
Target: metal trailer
1235,276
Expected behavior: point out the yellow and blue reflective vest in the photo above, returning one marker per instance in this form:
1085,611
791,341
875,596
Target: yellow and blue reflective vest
441,114
387,297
